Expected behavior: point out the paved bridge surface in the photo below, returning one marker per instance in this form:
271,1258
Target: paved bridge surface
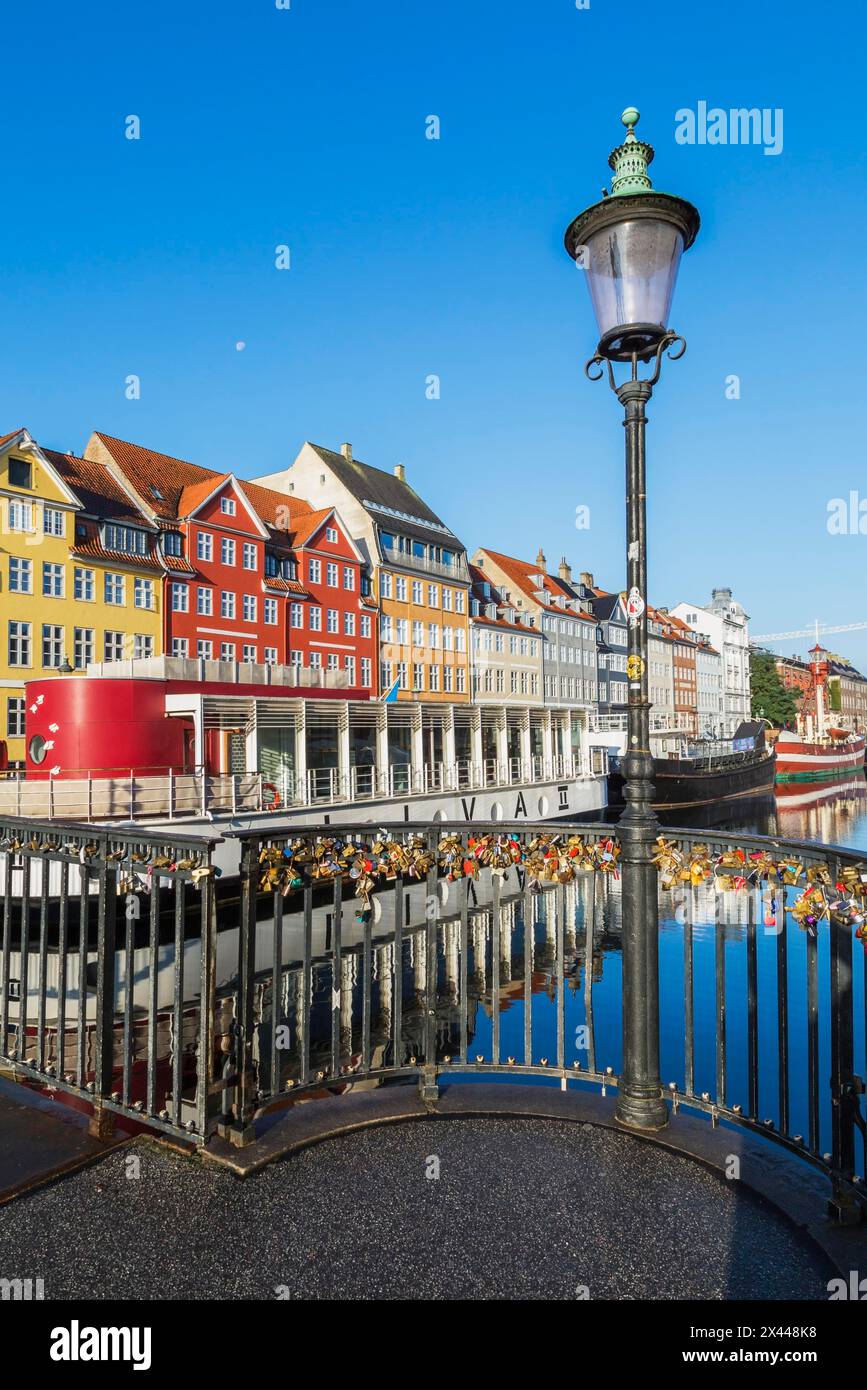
522,1208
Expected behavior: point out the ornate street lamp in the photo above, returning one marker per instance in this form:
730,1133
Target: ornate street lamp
629,246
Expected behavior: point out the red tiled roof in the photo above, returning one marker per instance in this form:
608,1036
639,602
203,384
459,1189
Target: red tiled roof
270,504
519,572
306,526
90,547
148,470
4,439
194,494
96,489
478,579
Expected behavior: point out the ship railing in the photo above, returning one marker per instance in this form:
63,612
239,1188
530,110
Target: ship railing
116,987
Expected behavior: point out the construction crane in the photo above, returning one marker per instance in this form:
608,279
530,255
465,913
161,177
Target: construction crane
816,631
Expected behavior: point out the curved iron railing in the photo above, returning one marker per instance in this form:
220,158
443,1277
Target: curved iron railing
215,999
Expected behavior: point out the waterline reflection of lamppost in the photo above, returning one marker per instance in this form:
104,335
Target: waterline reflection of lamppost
629,246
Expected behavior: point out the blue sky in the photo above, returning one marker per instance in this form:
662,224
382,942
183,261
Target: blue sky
412,257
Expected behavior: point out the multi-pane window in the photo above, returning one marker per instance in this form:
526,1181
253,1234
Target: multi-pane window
314,571
365,671
416,591
333,661
433,634
143,646
365,625
248,652
433,595
205,546
402,626
270,656
204,602
331,572
19,644
113,646
180,598
15,714
460,640
447,600
400,588
417,676
349,664
227,506
125,539
333,620
269,607
417,634
401,675
296,659
448,634
227,651
82,647
227,604
385,627
348,577
144,593
20,515
447,679
315,619
331,534
84,585
385,585
349,624
249,555
316,660
297,615
114,589
204,648
434,673
173,543
180,646
227,550
249,602
53,521
20,576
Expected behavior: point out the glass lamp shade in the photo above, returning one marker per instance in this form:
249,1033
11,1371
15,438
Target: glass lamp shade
631,268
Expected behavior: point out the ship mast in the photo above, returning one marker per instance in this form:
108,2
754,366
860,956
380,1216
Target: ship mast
820,672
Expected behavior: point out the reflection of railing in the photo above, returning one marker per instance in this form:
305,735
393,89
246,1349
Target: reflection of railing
113,987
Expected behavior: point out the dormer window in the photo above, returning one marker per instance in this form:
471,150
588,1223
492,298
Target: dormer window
20,473
173,543
125,540
155,492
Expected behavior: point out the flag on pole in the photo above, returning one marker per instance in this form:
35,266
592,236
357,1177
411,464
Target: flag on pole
390,697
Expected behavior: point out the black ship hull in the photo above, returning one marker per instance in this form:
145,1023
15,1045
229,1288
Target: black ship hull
679,782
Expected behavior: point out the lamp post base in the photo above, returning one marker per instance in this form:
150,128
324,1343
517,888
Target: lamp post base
641,1113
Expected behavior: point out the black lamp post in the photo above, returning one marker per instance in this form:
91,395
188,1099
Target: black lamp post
629,246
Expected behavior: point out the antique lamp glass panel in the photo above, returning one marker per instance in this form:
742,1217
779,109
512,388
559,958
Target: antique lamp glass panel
631,269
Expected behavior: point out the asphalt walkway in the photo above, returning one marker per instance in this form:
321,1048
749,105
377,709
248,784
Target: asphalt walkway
425,1209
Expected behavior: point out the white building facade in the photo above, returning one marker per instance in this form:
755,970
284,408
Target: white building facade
726,625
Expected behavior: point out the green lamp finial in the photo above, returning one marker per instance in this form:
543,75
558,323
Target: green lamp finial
630,160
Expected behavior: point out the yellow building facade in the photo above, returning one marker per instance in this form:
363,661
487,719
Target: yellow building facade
67,596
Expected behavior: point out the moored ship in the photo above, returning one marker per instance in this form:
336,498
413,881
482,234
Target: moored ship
817,752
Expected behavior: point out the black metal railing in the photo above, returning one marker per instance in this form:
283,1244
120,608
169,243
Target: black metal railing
133,976
96,997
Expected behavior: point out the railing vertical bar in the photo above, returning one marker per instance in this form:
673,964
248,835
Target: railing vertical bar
244,1095
496,887
843,1099
431,960
62,951
83,934
688,996
783,1011
366,989
23,990
589,946
105,983
463,966
178,1000
304,987
336,972
397,1015
153,994
529,942
561,976
128,995
812,944
720,1010
207,1001
752,1010
42,988
7,952
276,990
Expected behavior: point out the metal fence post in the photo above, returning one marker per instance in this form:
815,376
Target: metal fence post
207,1005
102,1121
845,1086
241,1131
